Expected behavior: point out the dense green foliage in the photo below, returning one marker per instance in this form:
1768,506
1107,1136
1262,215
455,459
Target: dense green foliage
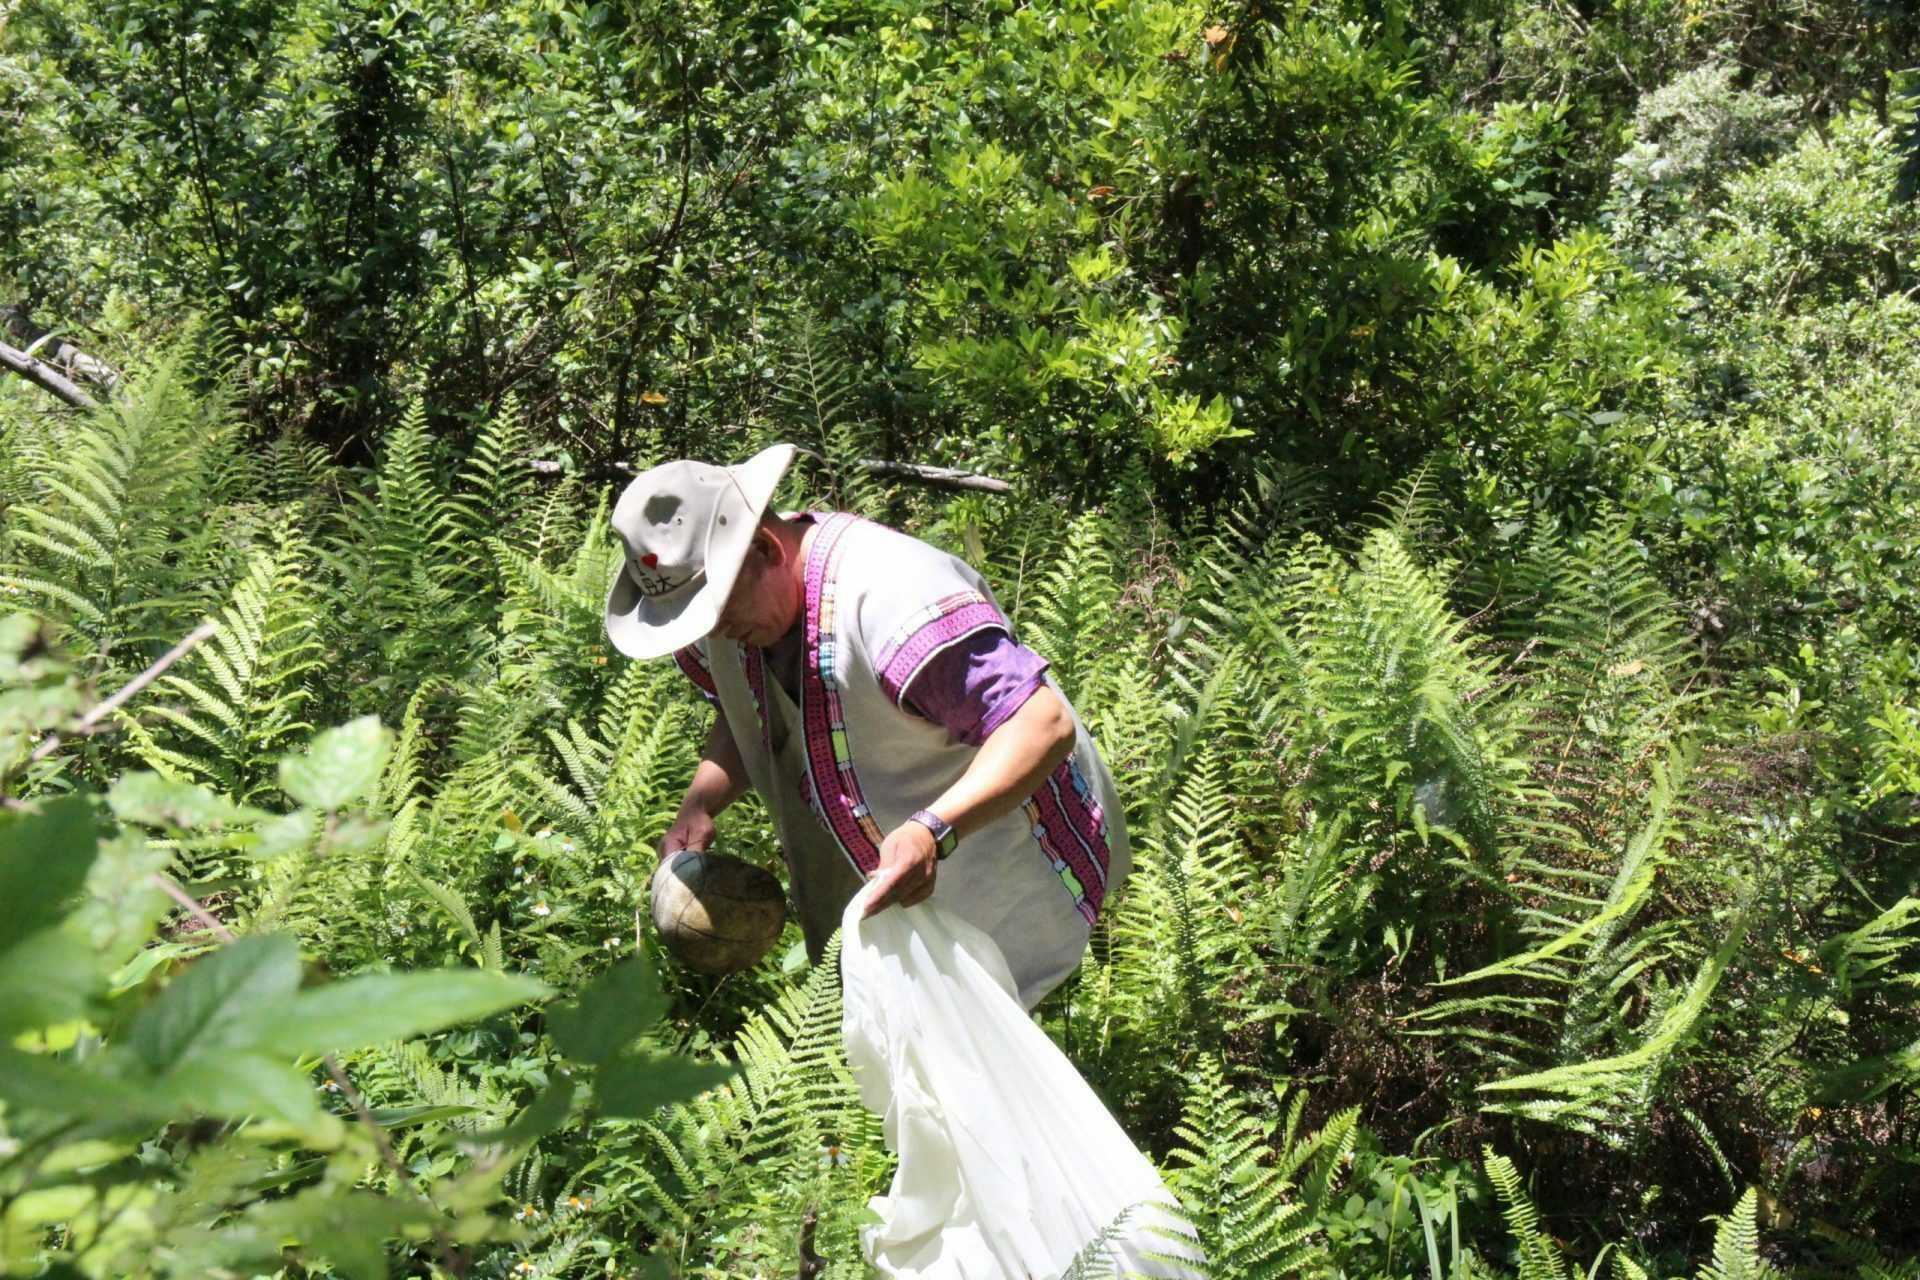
1465,476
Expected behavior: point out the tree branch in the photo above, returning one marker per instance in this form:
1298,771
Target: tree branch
57,351
936,477
44,375
912,472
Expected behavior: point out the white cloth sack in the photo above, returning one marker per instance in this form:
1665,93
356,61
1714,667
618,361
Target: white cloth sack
1009,1164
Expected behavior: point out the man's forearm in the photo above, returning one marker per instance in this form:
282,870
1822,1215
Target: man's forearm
1010,765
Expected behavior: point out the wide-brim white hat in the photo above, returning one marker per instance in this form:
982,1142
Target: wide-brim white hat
686,527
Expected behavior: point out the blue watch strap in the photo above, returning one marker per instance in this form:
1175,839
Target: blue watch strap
945,838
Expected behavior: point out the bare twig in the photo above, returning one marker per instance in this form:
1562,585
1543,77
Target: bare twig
133,686
937,477
194,906
811,1263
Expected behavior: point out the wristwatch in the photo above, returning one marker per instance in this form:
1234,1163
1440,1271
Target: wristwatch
944,836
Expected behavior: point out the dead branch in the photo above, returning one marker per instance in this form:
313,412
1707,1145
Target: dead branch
912,472
57,351
44,375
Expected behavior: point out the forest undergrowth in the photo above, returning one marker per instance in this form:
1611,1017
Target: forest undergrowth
1461,465
1476,926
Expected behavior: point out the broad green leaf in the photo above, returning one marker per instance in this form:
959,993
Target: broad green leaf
346,1229
340,766
610,1014
44,858
37,1210
87,1154
123,902
285,834
216,1002
407,1117
162,802
236,1085
45,980
31,1082
137,970
350,835
637,1084
542,1116
382,1007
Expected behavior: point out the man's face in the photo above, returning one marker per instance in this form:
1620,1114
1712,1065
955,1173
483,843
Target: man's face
765,601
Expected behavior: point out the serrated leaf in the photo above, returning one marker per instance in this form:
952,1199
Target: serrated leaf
382,1007
340,765
213,1003
162,802
236,1085
285,834
542,1116
348,1230
51,1086
407,1117
44,857
610,1014
46,980
639,1083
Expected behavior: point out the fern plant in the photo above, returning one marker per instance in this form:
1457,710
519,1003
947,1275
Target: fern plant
1396,690
1611,1095
1537,1252
724,1181
493,497
1736,1240
240,700
1587,954
815,401
1249,1219
119,531
1179,967
1606,669
397,573
619,786
1069,615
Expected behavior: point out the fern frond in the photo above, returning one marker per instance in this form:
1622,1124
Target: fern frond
815,401
1539,1256
1736,1245
1244,1218
246,689
1069,615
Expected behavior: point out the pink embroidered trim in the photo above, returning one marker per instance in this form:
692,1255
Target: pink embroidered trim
960,616
1072,832
695,667
920,618
835,787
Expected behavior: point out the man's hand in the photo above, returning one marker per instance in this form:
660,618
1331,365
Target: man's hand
692,829
908,859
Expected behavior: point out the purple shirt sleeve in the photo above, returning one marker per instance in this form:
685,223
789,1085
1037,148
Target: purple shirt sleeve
973,685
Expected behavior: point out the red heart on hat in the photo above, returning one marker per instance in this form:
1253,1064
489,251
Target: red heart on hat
649,559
